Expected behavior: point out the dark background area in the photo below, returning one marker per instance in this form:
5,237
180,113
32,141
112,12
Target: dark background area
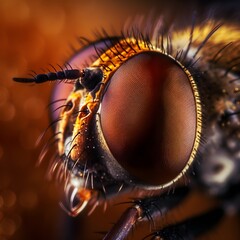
34,34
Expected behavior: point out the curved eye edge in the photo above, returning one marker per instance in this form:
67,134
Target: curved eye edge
122,174
195,145
118,173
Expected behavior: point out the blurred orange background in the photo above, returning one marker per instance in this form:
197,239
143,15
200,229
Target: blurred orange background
34,34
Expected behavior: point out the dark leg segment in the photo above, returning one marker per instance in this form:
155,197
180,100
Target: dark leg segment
121,229
147,208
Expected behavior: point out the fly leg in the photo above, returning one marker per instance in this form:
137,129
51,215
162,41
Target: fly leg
145,209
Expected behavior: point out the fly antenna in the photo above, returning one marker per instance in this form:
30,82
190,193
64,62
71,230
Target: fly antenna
70,74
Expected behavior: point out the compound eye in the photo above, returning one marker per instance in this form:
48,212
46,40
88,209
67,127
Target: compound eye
149,119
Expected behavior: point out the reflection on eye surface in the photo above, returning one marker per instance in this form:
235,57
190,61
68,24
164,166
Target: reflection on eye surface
164,108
